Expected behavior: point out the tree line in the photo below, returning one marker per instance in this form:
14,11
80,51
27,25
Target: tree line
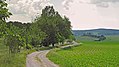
100,37
49,28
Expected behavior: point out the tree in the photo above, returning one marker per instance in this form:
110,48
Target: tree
56,28
13,38
35,35
26,35
4,14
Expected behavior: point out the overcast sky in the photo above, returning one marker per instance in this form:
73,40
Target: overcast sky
83,14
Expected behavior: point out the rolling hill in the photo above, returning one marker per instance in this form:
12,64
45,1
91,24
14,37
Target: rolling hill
96,31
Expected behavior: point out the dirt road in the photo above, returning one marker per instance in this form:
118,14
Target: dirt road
39,59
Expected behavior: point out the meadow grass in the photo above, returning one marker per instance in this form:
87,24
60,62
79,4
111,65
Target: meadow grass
12,60
89,54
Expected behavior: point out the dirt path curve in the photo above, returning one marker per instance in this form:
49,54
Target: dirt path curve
39,59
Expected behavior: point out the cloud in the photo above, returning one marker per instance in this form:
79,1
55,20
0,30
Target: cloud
85,14
103,3
98,3
12,1
29,8
66,4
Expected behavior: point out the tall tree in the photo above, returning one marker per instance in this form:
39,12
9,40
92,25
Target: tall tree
56,28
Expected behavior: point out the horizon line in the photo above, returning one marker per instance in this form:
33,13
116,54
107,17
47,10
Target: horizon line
95,28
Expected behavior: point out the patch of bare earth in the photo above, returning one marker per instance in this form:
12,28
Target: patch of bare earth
39,59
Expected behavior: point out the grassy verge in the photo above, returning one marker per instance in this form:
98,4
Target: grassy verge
12,60
90,54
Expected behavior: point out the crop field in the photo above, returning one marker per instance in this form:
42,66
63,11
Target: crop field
89,54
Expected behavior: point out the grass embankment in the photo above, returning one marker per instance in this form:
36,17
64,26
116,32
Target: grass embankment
12,60
90,54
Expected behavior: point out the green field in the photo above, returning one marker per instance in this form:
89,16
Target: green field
89,54
12,60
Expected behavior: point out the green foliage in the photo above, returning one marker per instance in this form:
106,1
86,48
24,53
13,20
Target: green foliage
13,38
19,35
97,37
35,35
2,28
12,60
56,28
49,28
4,13
90,54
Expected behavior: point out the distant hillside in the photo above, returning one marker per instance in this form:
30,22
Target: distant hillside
97,31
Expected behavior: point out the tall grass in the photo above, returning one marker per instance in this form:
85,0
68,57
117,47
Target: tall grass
12,60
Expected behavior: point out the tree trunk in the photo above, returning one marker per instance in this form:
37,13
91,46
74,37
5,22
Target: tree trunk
53,45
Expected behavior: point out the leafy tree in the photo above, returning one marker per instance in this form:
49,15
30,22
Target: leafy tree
19,31
49,28
13,38
35,35
24,34
4,14
57,29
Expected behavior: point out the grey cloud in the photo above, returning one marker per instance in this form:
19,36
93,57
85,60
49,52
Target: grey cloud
66,4
103,3
17,10
27,7
37,5
12,1
100,1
